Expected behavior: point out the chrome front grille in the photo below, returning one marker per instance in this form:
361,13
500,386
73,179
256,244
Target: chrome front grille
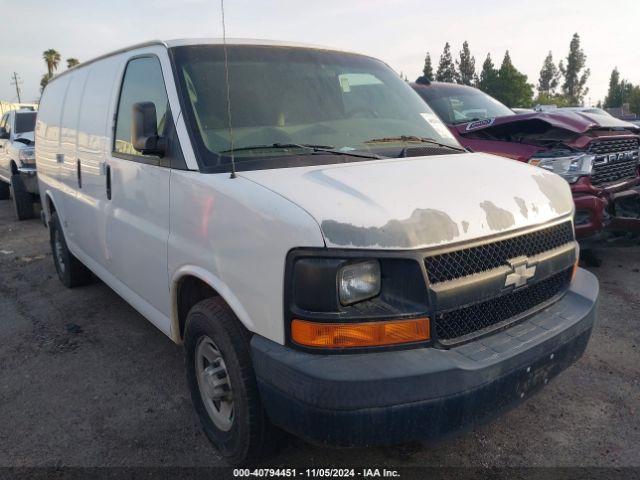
615,159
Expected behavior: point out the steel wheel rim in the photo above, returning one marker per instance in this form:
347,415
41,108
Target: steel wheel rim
57,244
214,384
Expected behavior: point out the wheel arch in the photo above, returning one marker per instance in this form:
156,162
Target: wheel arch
49,206
191,284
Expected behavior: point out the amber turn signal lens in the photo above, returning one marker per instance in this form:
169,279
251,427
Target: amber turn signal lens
367,334
575,270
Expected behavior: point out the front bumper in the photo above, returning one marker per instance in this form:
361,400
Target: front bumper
28,175
611,210
426,393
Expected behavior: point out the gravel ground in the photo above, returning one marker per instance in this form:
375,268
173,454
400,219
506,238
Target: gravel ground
86,381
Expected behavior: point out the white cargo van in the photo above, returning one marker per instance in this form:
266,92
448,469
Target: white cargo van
335,264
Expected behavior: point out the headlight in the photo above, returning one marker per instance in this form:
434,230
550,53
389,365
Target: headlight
358,281
27,155
571,167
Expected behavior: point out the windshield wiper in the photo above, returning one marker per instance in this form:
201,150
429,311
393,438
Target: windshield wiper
413,138
306,146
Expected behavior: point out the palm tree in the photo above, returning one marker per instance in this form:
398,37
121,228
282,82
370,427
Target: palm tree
52,59
72,62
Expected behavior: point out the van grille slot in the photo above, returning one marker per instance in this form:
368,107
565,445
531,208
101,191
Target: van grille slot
451,326
460,263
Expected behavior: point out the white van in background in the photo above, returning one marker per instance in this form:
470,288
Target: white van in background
335,264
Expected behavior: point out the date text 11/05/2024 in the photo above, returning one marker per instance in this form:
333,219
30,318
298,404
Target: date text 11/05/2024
316,472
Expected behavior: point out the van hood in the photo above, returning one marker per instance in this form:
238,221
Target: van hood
577,122
420,202
26,136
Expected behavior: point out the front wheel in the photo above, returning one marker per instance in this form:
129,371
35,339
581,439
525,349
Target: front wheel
223,384
22,199
71,271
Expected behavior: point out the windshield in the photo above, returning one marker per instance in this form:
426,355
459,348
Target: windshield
462,104
25,122
286,96
598,111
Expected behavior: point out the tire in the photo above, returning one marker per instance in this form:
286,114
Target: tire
71,272
4,190
246,435
22,199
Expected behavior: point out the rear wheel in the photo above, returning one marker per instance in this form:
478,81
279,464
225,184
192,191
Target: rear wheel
223,386
4,190
71,271
22,199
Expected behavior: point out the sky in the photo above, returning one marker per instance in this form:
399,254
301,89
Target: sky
400,32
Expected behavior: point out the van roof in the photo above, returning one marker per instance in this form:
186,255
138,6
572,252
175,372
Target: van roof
179,42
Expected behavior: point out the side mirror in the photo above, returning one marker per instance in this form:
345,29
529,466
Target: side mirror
4,135
144,130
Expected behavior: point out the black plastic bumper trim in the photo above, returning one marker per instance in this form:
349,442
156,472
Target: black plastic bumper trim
421,394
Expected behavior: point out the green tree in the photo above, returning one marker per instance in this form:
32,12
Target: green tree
466,66
72,62
634,99
575,72
427,70
513,89
52,59
615,93
549,76
488,81
446,68
556,99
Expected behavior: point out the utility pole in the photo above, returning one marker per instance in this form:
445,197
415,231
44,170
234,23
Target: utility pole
17,82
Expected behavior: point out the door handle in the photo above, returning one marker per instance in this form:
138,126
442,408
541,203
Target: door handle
60,157
79,172
108,175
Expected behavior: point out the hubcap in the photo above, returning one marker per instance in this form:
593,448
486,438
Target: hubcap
214,384
58,250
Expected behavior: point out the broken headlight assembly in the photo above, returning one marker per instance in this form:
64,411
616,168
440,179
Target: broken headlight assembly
569,165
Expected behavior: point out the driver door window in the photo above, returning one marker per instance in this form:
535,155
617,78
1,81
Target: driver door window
142,82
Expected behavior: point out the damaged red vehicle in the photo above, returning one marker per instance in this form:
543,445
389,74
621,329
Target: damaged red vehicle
596,154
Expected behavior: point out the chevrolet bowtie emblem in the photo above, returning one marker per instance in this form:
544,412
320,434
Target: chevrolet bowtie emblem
521,273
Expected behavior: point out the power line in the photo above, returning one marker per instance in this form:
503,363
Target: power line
17,82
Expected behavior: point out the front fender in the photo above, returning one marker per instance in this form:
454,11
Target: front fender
216,284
